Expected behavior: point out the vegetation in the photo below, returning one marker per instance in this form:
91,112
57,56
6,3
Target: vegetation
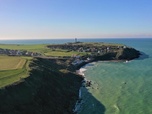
9,63
32,48
40,48
87,48
97,51
44,50
35,48
51,88
62,53
13,69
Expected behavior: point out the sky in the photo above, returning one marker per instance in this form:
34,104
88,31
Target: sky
46,19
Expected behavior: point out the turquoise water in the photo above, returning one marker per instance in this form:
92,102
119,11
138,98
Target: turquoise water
121,88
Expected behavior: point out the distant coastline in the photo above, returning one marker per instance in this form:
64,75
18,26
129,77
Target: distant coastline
65,40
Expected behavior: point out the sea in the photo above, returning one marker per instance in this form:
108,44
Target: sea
117,87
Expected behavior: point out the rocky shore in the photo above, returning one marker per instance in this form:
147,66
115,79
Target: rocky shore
125,54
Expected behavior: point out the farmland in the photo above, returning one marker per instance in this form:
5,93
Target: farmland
13,69
45,51
41,48
9,63
33,48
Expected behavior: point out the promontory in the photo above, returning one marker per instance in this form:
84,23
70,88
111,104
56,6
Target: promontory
41,79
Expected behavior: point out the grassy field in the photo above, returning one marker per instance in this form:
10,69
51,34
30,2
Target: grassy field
60,52
33,48
39,93
9,63
41,48
13,69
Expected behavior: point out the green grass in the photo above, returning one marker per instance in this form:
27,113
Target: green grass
60,52
14,69
48,80
41,48
33,48
20,47
9,63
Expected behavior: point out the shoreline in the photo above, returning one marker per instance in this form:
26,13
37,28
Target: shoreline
80,71
83,88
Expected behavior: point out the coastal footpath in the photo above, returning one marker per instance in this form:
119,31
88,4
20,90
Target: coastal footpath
52,86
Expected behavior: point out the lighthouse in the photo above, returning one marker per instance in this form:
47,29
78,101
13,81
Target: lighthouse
75,40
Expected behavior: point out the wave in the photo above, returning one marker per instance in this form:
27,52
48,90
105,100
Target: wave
81,71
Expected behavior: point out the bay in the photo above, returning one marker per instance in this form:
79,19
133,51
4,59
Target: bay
121,88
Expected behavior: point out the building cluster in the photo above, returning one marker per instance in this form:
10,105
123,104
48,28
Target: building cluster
92,50
18,52
86,48
79,60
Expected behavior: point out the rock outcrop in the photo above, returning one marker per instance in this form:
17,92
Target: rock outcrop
127,54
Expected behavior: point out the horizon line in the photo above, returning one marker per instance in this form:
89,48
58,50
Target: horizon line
77,38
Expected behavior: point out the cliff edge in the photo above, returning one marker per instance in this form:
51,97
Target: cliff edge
51,88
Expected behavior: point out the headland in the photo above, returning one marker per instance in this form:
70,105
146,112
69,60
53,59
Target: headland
51,84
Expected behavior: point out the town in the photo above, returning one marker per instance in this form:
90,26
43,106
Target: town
10,52
92,50
87,47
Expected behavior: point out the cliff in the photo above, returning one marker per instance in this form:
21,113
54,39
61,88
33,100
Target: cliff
121,54
51,88
127,54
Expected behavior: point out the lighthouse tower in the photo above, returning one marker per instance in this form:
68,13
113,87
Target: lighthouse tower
75,40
